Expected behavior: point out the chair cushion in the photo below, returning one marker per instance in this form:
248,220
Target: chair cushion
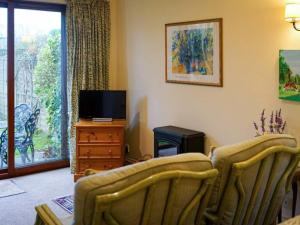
87,188
223,158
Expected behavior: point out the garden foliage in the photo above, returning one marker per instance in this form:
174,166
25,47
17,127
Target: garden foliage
48,85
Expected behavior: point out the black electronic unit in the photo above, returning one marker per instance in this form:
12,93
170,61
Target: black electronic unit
99,104
171,140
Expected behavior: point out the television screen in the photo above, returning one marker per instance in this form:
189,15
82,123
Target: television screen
102,104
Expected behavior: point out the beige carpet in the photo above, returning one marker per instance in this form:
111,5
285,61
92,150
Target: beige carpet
9,188
39,188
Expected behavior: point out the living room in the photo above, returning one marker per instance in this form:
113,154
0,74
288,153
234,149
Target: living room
251,35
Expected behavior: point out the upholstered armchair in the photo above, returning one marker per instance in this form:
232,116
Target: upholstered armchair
254,177
169,190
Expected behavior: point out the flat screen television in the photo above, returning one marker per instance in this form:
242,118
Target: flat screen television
102,104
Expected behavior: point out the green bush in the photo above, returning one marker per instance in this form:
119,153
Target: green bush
48,85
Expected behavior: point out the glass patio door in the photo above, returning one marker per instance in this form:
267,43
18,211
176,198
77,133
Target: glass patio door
3,91
33,102
37,86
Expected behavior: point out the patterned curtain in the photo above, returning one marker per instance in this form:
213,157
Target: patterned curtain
88,44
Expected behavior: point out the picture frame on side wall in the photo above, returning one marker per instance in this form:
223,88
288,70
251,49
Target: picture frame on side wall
193,52
289,75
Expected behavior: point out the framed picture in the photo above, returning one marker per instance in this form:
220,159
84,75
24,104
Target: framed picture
194,52
289,75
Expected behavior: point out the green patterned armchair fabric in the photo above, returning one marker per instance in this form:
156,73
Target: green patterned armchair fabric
168,190
254,177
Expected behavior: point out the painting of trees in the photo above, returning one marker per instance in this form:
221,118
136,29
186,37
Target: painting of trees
284,70
192,51
289,78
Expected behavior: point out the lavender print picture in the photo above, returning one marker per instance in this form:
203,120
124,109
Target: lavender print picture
194,52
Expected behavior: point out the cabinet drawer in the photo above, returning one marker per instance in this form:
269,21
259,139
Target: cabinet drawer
99,135
99,151
97,164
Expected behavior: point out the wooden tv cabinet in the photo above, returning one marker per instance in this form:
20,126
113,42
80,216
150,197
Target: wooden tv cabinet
99,145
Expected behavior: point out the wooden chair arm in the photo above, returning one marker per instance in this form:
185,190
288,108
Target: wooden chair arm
45,216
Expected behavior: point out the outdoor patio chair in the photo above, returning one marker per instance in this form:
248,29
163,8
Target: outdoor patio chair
25,126
3,148
22,113
23,139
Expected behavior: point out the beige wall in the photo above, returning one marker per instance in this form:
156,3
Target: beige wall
254,31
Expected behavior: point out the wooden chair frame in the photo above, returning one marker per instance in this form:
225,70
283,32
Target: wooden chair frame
102,212
273,206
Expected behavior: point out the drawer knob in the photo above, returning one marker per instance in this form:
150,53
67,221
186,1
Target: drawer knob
109,151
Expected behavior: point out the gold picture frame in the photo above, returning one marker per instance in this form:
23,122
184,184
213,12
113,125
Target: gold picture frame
193,52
